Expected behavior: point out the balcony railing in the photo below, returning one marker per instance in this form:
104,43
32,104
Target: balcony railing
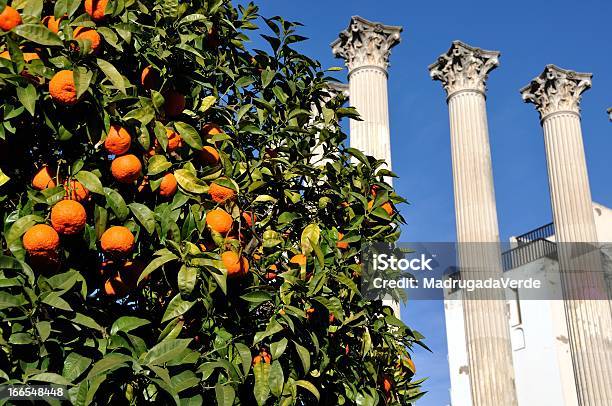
528,252
537,234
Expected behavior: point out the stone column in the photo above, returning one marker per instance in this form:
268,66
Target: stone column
556,94
463,71
366,46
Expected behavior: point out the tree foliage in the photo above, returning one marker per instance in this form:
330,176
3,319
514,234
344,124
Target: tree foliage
183,331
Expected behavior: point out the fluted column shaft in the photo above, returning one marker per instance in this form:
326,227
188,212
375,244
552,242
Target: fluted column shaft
369,95
589,322
463,71
557,94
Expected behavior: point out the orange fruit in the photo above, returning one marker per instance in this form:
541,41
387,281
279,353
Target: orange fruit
236,265
149,78
168,185
68,217
221,194
299,259
263,356
310,313
115,286
117,241
62,88
249,218
210,129
387,384
9,18
86,33
96,9
340,244
27,56
43,179
52,24
174,140
41,240
118,140
76,191
386,207
174,103
219,220
126,168
209,156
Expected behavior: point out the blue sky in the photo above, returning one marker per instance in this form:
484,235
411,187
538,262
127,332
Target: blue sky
529,34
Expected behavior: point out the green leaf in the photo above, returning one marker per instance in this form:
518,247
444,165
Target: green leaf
54,300
262,386
7,300
74,365
266,77
87,322
51,378
188,181
276,379
304,355
82,80
187,279
27,96
310,387
207,103
112,74
189,134
310,238
90,181
156,263
170,8
272,328
127,324
3,178
144,215
116,203
165,351
257,297
39,34
245,356
278,348
20,226
225,395
176,307
110,362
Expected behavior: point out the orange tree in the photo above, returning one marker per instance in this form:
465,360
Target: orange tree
182,221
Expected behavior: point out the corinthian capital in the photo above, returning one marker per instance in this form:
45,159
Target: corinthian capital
556,90
464,68
365,43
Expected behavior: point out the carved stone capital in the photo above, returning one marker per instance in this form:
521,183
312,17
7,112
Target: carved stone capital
556,90
464,67
366,43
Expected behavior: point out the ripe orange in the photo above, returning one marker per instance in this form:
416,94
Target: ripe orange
340,244
96,9
27,56
174,140
68,217
168,185
9,18
263,356
86,33
174,103
299,259
249,218
62,88
75,191
236,265
210,129
43,179
386,206
149,78
209,156
221,194
126,168
52,24
387,384
115,286
41,240
310,313
219,220
118,140
117,241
